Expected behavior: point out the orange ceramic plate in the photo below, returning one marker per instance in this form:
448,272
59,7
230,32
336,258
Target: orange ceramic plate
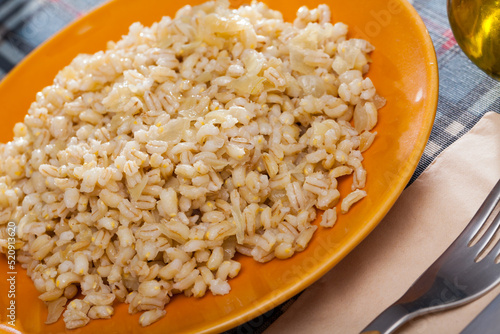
404,71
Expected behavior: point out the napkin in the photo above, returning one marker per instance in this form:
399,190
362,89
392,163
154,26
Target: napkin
425,220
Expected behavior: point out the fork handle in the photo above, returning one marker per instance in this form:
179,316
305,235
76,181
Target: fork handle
389,320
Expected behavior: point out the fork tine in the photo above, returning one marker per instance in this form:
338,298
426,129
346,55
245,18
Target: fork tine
483,213
487,237
495,252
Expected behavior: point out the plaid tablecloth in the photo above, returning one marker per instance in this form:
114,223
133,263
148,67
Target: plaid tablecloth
465,93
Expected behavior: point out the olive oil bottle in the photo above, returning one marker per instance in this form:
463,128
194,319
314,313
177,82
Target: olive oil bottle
476,26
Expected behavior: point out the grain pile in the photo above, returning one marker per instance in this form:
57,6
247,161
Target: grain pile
144,168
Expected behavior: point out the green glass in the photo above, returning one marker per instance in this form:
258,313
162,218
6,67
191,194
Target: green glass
476,26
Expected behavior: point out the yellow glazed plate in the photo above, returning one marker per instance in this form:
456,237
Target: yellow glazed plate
404,71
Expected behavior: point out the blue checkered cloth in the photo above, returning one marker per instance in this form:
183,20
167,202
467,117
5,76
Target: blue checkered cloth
465,93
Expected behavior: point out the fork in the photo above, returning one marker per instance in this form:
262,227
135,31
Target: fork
462,274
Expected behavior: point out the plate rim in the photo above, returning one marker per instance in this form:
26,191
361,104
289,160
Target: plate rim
428,120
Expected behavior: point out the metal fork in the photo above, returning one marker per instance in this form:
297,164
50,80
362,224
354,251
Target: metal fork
456,278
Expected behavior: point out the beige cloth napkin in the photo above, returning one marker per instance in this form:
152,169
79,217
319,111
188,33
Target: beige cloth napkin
425,220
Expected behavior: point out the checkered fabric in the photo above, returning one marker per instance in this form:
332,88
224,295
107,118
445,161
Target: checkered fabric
465,93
